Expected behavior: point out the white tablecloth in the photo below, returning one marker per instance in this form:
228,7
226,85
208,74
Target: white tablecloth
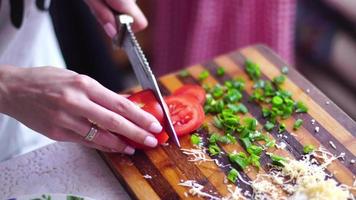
59,168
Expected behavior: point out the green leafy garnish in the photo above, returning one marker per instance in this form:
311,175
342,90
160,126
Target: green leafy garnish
240,159
282,127
269,126
254,149
300,107
255,160
220,71
297,124
279,80
214,149
232,175
238,108
277,101
203,75
252,69
184,73
195,139
308,149
277,160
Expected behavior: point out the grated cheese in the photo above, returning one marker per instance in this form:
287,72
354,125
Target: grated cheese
196,189
198,155
312,121
281,145
352,161
235,194
317,128
147,176
332,144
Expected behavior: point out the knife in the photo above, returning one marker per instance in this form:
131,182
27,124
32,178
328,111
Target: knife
126,40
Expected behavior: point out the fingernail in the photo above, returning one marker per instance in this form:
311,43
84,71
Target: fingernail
110,30
155,127
150,141
129,150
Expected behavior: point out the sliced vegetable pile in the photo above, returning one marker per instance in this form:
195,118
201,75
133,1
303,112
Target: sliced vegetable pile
223,102
185,107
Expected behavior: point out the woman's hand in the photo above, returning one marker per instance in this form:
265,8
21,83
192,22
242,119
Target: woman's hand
60,104
103,10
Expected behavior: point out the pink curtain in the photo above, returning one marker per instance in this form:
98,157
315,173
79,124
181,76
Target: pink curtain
187,32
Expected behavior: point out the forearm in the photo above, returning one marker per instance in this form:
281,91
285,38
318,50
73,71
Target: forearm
6,71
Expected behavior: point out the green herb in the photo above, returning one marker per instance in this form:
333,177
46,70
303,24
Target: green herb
277,160
246,141
214,149
269,126
254,149
217,123
279,80
270,143
203,75
252,69
232,175
233,96
225,139
220,71
251,123
285,70
282,127
195,139
217,91
240,159
308,148
277,101
239,108
297,124
300,107
184,73
255,160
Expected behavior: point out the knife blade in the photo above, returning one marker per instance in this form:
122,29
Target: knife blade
127,41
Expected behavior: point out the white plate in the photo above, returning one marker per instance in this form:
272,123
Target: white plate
51,197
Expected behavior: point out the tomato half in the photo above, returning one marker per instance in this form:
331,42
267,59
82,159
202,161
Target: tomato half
195,91
186,114
146,100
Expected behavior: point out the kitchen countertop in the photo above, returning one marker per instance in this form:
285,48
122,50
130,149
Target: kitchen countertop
59,168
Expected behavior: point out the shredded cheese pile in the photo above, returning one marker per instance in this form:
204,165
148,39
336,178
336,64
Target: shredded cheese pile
235,194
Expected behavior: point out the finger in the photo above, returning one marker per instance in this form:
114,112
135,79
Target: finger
102,138
104,15
119,104
71,136
115,123
130,7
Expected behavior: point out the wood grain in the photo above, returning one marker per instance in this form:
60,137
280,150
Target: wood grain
168,165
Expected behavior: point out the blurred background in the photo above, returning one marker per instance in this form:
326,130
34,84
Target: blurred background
324,46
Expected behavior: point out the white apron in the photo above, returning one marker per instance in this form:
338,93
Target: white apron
26,41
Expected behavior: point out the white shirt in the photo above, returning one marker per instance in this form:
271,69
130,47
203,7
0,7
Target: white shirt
29,42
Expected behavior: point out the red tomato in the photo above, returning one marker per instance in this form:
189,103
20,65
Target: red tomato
195,91
146,100
186,114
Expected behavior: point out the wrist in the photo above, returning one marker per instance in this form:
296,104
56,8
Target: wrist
6,72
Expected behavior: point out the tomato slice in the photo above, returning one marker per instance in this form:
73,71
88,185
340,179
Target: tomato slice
186,114
196,91
146,100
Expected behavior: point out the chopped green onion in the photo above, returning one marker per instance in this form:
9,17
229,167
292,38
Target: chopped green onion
270,143
195,139
277,160
232,175
254,149
220,71
233,95
269,126
308,148
214,149
255,160
300,107
251,123
277,101
184,73
203,75
282,127
217,91
253,70
297,124
240,159
239,108
279,80
246,142
217,123
285,70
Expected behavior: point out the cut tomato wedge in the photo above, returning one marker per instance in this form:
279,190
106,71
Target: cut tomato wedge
196,91
186,114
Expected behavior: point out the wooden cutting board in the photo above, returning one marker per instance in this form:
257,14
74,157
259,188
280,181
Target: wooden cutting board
168,165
